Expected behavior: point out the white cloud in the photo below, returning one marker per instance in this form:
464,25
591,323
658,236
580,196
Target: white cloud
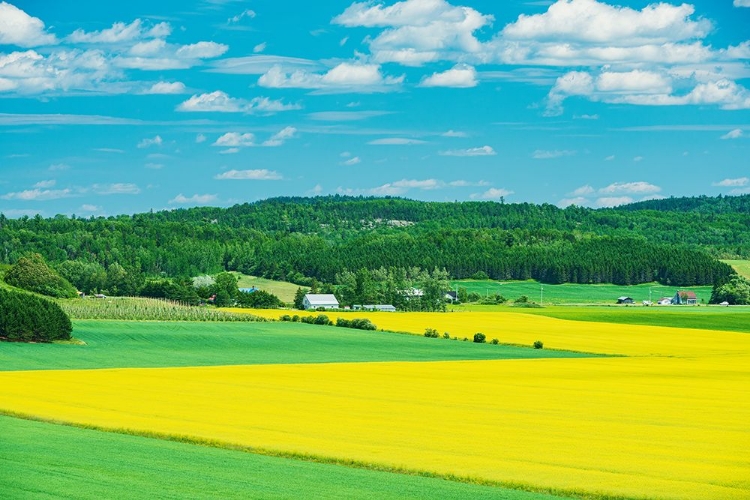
578,201
19,28
58,167
38,194
120,33
345,77
259,48
454,133
280,137
492,194
540,154
200,138
396,141
235,139
639,187
200,199
460,76
260,64
229,151
110,150
609,158
220,102
638,159
245,13
90,208
45,184
117,188
166,88
417,31
148,142
636,81
352,161
742,3
345,116
733,134
483,151
613,201
154,166
201,50
739,182
571,84
259,175
583,191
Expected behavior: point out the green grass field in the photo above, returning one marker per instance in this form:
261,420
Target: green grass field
741,266
569,293
130,344
41,460
282,289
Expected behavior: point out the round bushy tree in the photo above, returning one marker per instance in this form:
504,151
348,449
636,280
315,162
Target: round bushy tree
33,274
29,318
735,291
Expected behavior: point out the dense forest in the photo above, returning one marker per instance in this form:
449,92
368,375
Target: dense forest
673,241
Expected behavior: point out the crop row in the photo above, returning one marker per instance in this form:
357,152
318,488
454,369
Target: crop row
136,308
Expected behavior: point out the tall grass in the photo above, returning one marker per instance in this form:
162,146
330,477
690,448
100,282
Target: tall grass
140,308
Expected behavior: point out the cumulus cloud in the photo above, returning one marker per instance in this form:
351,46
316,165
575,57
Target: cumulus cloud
454,133
201,50
613,201
121,32
39,194
257,175
461,76
483,151
345,77
197,199
221,102
45,184
739,182
742,3
492,194
583,191
166,88
235,139
148,142
19,28
733,134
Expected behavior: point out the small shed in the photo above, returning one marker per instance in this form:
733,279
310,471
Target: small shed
665,301
248,290
451,295
318,300
625,300
685,297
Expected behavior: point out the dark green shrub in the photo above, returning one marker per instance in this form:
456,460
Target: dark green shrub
480,338
33,274
480,275
538,344
322,319
431,333
523,299
285,317
446,335
259,299
28,318
494,342
295,318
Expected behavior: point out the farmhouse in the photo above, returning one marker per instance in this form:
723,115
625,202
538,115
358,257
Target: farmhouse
665,301
375,307
625,300
316,300
685,297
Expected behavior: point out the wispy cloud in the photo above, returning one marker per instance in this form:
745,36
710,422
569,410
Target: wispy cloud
738,182
221,102
38,194
492,194
396,141
482,151
733,134
352,161
346,116
541,154
257,175
148,142
116,188
196,199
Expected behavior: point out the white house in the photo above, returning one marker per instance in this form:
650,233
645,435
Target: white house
316,300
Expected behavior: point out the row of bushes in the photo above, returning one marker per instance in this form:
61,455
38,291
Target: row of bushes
322,319
28,318
479,338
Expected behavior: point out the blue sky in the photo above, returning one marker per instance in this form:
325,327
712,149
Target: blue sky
109,108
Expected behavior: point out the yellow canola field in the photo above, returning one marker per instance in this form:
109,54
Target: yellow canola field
637,427
518,328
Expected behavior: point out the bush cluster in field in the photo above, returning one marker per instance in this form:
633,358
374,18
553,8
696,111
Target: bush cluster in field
479,338
322,319
29,318
146,309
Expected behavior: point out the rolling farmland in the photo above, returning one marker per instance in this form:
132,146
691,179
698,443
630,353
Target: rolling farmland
666,421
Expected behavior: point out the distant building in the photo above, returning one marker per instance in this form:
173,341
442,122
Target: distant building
451,295
625,300
317,300
665,301
411,293
374,307
248,290
685,297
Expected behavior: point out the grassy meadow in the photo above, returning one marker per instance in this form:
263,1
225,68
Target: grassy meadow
282,289
741,266
129,344
572,293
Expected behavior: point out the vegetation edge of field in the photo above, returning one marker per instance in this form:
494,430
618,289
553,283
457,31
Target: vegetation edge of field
323,459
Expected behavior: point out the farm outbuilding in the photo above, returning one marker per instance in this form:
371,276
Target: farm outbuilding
625,300
318,300
374,307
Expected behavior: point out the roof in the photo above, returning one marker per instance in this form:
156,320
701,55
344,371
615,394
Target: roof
688,294
321,298
625,298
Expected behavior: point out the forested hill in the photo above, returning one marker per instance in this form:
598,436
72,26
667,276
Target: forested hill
301,238
700,204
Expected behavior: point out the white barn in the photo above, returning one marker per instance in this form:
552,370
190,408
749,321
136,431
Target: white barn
316,300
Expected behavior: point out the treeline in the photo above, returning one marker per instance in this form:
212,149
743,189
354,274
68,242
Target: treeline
298,239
